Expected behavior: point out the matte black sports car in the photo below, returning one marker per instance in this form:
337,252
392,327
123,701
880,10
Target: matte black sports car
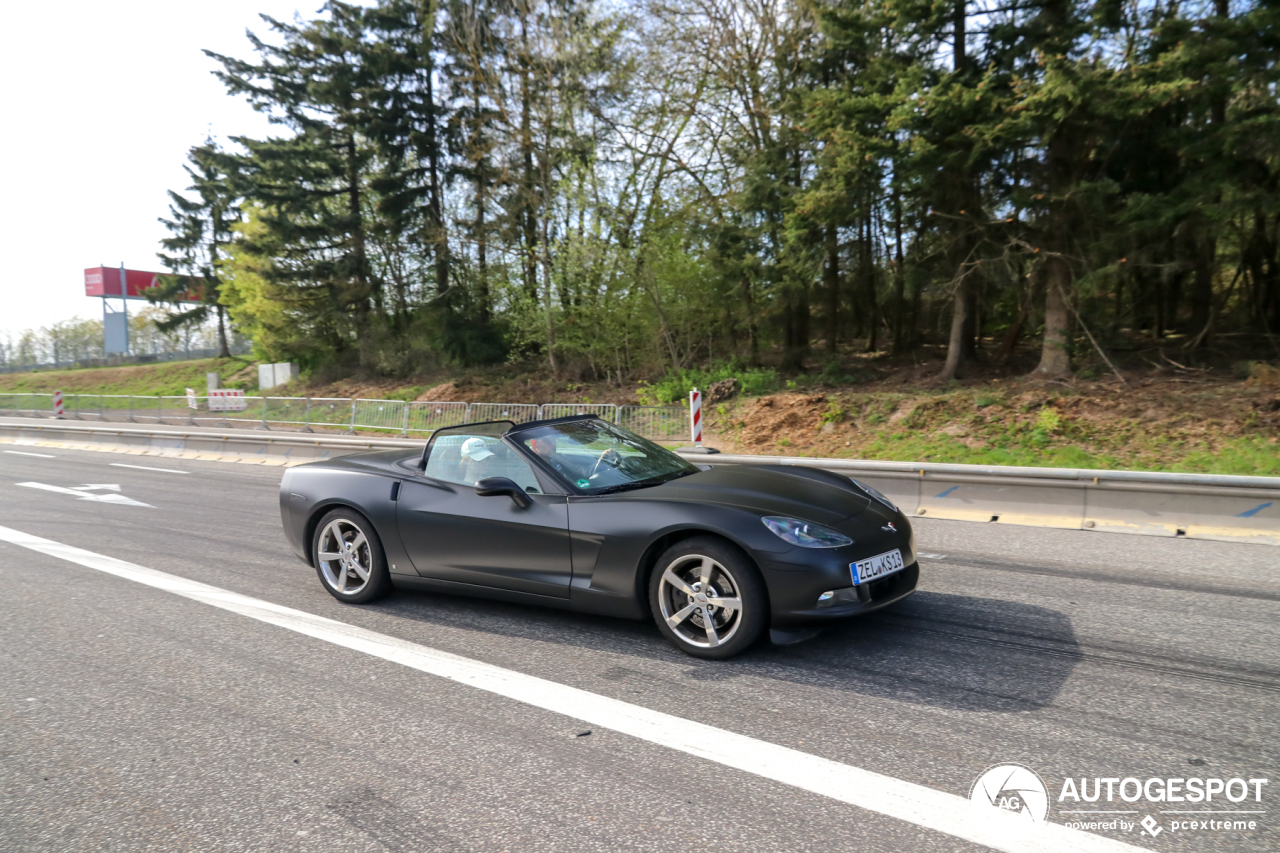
581,514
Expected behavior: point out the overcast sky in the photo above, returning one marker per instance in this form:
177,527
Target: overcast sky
101,103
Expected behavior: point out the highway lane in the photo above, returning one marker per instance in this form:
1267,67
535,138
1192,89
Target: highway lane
162,724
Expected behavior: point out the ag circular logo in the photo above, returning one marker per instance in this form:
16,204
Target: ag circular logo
1012,788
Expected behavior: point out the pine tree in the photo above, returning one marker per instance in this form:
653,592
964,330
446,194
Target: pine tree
407,120
201,229
314,186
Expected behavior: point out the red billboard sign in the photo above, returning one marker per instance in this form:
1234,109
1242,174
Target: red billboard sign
105,281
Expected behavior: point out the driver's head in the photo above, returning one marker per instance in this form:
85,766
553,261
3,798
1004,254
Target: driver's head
544,446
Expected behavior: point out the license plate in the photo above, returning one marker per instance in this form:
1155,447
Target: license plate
877,567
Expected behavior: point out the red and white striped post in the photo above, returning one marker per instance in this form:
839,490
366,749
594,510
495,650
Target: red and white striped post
695,416
57,404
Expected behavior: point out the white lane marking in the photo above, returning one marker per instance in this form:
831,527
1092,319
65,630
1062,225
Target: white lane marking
23,453
933,556
145,468
86,496
936,810
111,487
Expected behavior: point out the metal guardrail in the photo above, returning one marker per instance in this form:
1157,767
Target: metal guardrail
1195,506
348,414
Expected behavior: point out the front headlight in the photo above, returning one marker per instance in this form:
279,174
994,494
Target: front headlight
806,534
875,493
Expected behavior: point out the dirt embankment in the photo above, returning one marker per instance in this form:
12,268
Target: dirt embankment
1208,425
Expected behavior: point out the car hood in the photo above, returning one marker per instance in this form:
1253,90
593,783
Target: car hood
809,494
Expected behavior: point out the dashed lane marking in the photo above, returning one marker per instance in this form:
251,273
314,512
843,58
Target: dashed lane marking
22,453
145,468
922,806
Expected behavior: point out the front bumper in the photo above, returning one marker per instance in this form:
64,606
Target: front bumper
794,587
848,601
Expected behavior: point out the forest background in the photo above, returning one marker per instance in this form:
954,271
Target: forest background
622,190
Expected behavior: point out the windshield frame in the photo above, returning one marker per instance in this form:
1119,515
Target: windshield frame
513,437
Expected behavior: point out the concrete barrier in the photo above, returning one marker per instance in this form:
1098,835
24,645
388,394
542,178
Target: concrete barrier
1195,506
1030,501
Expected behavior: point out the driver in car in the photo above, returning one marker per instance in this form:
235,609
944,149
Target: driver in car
545,447
573,471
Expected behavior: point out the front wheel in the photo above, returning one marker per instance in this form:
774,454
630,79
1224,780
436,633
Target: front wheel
349,557
708,599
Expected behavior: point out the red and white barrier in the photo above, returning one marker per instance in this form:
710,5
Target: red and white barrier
695,415
57,404
227,400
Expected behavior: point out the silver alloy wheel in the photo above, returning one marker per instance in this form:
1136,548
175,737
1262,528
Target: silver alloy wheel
344,556
700,601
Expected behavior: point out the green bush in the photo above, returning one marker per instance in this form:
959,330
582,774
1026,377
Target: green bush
674,386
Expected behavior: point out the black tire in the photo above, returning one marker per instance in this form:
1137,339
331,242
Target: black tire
360,549
676,598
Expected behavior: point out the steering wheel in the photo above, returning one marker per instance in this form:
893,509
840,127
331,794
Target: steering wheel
609,456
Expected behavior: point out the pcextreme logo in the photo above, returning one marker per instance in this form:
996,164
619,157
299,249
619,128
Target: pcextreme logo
1126,803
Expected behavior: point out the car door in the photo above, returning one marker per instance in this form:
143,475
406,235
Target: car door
453,534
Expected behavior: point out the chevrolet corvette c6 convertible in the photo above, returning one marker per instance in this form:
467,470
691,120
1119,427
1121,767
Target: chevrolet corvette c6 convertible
581,514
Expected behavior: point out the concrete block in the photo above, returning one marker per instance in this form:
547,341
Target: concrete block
271,375
285,371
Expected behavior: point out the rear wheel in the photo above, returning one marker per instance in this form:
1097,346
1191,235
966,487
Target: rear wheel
349,557
708,599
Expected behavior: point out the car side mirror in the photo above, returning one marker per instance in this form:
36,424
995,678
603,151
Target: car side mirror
490,486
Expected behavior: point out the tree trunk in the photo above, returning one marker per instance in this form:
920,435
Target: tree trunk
1202,289
224,351
439,237
525,208
1055,356
362,291
546,304
832,274
959,324
1010,344
960,342
869,276
899,276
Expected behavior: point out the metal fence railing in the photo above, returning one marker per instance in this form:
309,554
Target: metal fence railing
378,414
664,422
307,414
120,360
518,412
429,417
604,411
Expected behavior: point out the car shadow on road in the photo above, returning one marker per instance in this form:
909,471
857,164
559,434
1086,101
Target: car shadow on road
936,649
943,650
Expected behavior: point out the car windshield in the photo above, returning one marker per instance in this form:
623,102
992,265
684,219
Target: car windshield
597,457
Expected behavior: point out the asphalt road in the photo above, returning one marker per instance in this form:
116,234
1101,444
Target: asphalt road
135,719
